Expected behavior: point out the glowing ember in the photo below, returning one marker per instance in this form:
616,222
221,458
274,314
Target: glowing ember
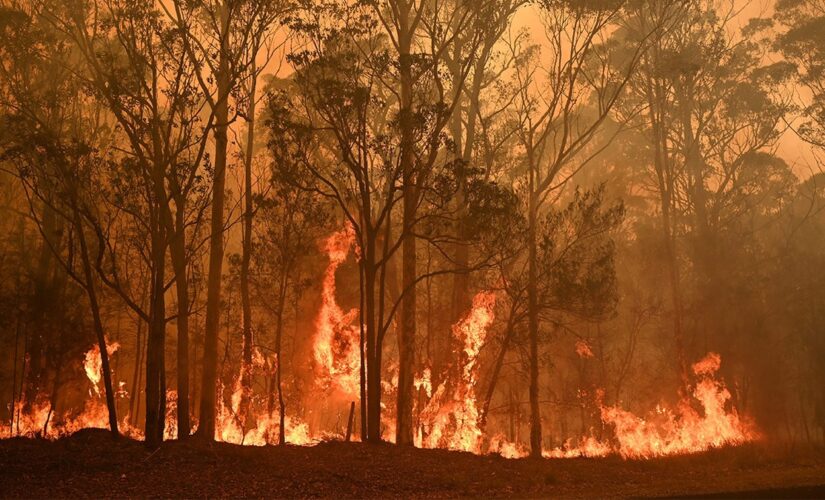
583,349
336,342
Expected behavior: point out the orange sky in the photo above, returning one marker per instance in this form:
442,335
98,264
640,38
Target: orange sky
790,147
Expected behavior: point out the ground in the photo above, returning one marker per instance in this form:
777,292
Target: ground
91,464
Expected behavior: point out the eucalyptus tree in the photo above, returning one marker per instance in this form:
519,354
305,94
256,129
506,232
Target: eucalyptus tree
51,135
711,113
139,70
560,107
216,38
427,82
331,135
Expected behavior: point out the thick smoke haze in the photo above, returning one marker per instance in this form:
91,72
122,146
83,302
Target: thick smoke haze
550,229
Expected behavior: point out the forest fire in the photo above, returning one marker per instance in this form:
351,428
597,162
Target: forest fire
450,418
671,432
38,418
231,429
440,233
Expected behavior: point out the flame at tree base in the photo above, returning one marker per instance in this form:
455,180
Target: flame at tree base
39,419
450,418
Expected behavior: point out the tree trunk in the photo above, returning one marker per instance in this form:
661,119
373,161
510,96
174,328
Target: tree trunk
178,256
362,338
460,295
491,386
206,426
533,322
665,181
279,329
155,388
134,395
44,294
373,346
406,334
98,324
246,255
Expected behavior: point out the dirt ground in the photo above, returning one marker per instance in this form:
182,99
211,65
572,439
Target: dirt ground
91,464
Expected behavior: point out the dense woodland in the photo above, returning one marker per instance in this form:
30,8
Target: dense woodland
623,186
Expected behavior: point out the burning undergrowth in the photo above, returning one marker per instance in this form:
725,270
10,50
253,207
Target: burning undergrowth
699,422
449,414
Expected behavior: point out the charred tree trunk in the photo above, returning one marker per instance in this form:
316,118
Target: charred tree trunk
279,329
58,371
362,381
134,395
98,323
177,250
246,372
155,365
533,320
373,367
45,293
491,386
206,426
350,422
406,334
246,255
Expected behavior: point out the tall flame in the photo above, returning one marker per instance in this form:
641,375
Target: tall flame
451,417
336,342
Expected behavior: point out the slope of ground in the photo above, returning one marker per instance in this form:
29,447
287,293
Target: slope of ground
91,464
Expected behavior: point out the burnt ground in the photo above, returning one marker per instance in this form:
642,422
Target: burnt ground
91,464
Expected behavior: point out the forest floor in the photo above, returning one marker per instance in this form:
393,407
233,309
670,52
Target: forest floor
90,464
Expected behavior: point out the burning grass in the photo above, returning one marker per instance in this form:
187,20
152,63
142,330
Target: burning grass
449,417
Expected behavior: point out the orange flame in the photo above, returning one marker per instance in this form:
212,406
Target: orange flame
685,430
583,349
451,416
93,364
700,421
336,342
31,420
668,432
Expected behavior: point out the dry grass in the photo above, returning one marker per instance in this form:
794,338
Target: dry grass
91,464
